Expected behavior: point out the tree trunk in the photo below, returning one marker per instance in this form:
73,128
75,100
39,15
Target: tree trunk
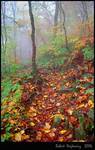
4,34
60,16
34,69
14,14
56,17
64,28
85,18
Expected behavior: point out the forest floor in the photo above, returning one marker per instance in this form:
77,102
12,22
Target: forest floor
51,107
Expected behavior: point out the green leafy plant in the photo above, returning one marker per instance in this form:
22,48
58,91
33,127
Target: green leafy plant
79,133
56,120
91,114
91,90
88,53
7,134
7,86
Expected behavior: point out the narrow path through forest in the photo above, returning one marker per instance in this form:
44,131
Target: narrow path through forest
52,100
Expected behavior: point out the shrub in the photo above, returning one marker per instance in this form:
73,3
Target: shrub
52,54
88,53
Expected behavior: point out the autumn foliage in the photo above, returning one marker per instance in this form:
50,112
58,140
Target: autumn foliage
51,108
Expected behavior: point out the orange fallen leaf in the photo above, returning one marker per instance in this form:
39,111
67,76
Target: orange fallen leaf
51,134
72,120
33,109
46,130
39,135
63,131
45,96
47,126
80,106
70,111
33,114
12,121
25,137
90,104
60,139
69,136
53,129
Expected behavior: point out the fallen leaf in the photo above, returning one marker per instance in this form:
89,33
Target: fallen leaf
57,118
80,106
18,137
46,130
43,106
90,104
52,100
53,129
39,135
67,84
60,139
33,114
58,115
69,136
58,104
12,121
45,96
51,134
25,137
22,131
47,126
33,109
72,120
12,103
63,131
70,111
32,123
51,84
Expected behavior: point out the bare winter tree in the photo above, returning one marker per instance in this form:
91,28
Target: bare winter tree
34,69
48,14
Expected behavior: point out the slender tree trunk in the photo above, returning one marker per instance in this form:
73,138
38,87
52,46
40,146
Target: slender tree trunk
4,34
34,69
14,14
56,17
65,33
61,28
64,28
85,18
4,24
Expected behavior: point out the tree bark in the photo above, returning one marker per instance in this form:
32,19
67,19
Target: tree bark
34,69
4,33
56,17
64,28
85,18
14,20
